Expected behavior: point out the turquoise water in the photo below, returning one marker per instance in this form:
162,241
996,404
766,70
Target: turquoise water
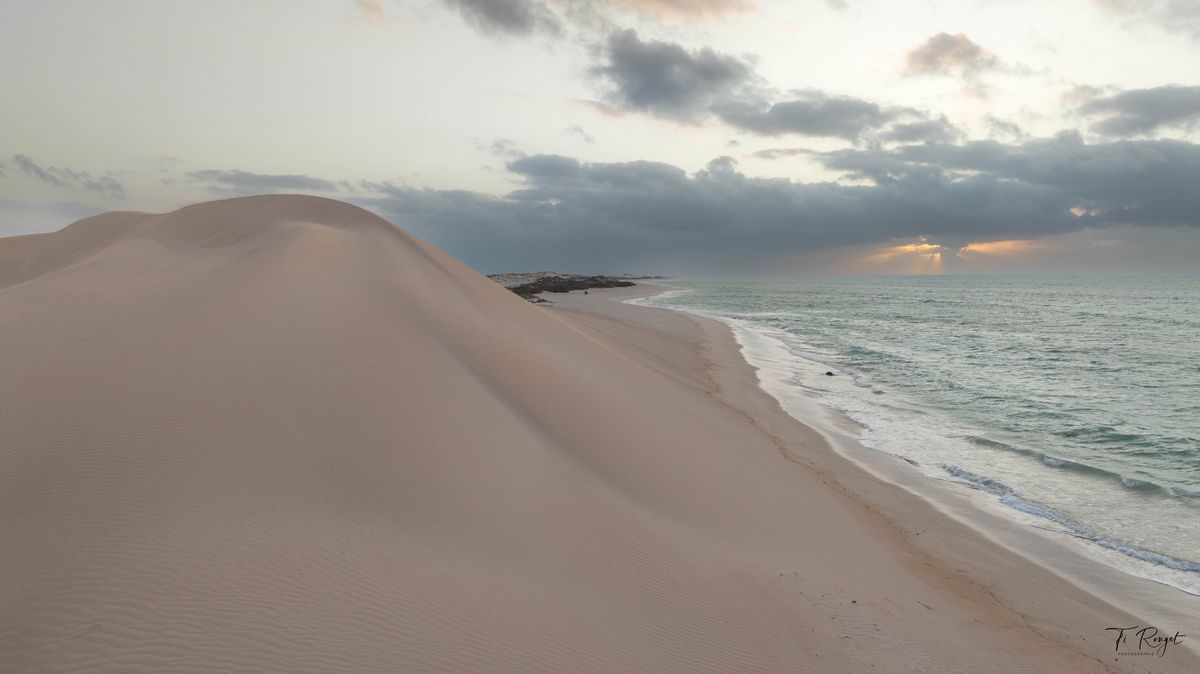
1073,400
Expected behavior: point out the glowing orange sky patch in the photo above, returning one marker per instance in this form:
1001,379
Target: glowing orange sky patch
908,258
923,257
931,248
996,247
893,252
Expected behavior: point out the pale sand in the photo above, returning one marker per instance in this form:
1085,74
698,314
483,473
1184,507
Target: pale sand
276,433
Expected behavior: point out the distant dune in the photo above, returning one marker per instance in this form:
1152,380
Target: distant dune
277,433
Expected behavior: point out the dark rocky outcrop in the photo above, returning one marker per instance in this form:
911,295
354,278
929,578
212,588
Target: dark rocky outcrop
565,284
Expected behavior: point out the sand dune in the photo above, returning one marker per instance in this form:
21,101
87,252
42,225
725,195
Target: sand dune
277,433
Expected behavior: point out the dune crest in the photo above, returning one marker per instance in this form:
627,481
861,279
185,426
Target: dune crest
278,433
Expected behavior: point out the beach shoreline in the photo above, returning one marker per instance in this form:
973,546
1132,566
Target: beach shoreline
953,529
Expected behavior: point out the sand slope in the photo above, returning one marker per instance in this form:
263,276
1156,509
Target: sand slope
276,433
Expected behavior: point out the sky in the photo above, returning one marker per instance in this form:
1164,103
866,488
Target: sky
681,137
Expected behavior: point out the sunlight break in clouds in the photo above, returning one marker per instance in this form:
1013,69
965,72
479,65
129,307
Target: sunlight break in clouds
919,258
1011,247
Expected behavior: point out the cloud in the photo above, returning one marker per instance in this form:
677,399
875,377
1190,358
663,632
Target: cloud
684,9
32,169
1125,182
773,153
508,17
1003,129
579,131
1078,94
1144,111
1178,16
68,178
666,80
501,147
593,216
561,18
242,182
545,167
811,113
935,130
946,54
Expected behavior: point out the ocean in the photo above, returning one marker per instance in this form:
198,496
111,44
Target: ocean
1071,402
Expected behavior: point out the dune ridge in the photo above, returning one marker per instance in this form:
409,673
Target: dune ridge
277,433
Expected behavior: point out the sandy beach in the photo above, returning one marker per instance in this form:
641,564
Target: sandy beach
279,434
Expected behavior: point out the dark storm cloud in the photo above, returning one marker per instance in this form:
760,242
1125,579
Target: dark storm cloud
68,178
1126,182
666,80
545,167
812,113
1144,111
938,130
592,216
546,175
946,54
242,182
511,17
